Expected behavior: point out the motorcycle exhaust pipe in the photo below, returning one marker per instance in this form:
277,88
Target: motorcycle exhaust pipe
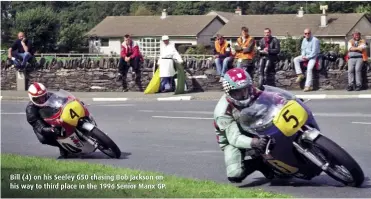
311,157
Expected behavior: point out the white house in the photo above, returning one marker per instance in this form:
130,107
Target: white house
107,36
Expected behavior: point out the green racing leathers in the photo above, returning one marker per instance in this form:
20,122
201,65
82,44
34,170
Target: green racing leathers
234,142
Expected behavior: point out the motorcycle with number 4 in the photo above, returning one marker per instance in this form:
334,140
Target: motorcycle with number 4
79,131
296,147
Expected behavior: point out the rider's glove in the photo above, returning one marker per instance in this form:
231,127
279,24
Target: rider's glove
53,130
260,144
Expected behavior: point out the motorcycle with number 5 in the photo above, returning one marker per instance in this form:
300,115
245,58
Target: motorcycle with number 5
79,131
296,147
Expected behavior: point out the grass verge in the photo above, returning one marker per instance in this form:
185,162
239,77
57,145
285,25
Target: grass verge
164,187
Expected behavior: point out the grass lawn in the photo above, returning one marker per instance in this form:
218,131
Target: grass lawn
165,186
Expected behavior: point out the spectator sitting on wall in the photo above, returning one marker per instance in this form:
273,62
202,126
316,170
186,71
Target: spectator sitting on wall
21,50
357,55
245,51
168,54
222,52
269,49
130,56
310,49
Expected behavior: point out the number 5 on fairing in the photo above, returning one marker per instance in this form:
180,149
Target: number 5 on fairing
291,118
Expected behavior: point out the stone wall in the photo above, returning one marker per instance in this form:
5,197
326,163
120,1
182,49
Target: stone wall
100,75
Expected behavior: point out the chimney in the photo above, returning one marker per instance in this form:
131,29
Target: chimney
323,17
301,12
164,14
238,11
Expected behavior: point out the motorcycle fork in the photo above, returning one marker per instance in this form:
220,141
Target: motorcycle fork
310,134
86,138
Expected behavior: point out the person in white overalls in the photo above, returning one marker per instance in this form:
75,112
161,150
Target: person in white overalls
168,54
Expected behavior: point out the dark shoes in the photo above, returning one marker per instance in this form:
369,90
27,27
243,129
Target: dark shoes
352,87
251,166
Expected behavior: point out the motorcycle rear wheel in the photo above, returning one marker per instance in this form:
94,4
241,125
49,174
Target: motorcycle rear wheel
105,142
336,156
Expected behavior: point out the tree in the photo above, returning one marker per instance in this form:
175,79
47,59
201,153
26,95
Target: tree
40,25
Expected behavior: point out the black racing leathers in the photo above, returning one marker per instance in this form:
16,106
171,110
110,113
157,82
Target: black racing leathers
44,132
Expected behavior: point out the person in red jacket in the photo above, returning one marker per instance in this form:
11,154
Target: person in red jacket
130,56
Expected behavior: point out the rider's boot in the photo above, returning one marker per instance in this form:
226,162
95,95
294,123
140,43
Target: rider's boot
63,153
257,164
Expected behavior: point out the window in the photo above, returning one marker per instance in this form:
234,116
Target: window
104,42
149,46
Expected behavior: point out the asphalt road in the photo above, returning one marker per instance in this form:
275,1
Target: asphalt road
178,138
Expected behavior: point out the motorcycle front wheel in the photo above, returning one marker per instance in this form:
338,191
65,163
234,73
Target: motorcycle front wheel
106,145
341,166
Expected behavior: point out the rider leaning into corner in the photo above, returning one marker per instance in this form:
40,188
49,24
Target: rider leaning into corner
239,94
46,134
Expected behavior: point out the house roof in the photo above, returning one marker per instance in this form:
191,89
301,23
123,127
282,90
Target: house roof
339,24
226,16
172,25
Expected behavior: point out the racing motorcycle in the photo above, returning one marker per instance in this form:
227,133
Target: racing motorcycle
296,147
79,131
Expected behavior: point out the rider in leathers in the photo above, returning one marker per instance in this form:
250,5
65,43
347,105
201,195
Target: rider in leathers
239,93
46,134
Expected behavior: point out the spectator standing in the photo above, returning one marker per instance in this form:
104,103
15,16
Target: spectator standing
245,51
21,49
310,49
223,56
357,54
269,49
130,56
168,54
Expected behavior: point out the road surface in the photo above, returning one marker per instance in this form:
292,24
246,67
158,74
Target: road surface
178,138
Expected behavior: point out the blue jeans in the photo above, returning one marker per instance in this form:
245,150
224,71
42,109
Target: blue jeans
166,84
24,57
222,65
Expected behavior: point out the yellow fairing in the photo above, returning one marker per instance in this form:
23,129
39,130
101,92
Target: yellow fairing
291,118
72,112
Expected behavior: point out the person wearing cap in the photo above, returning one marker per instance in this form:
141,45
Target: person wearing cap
357,54
168,54
223,56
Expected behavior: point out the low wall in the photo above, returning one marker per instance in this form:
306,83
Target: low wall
100,75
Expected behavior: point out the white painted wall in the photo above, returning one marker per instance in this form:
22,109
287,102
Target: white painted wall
207,33
114,45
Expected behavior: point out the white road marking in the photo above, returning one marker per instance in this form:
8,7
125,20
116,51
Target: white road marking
112,105
191,118
319,96
342,114
174,98
195,112
361,123
13,113
109,99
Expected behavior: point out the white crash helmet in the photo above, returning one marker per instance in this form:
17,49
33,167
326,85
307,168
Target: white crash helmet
37,93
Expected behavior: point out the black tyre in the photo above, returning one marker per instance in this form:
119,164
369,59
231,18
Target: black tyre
106,145
342,167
